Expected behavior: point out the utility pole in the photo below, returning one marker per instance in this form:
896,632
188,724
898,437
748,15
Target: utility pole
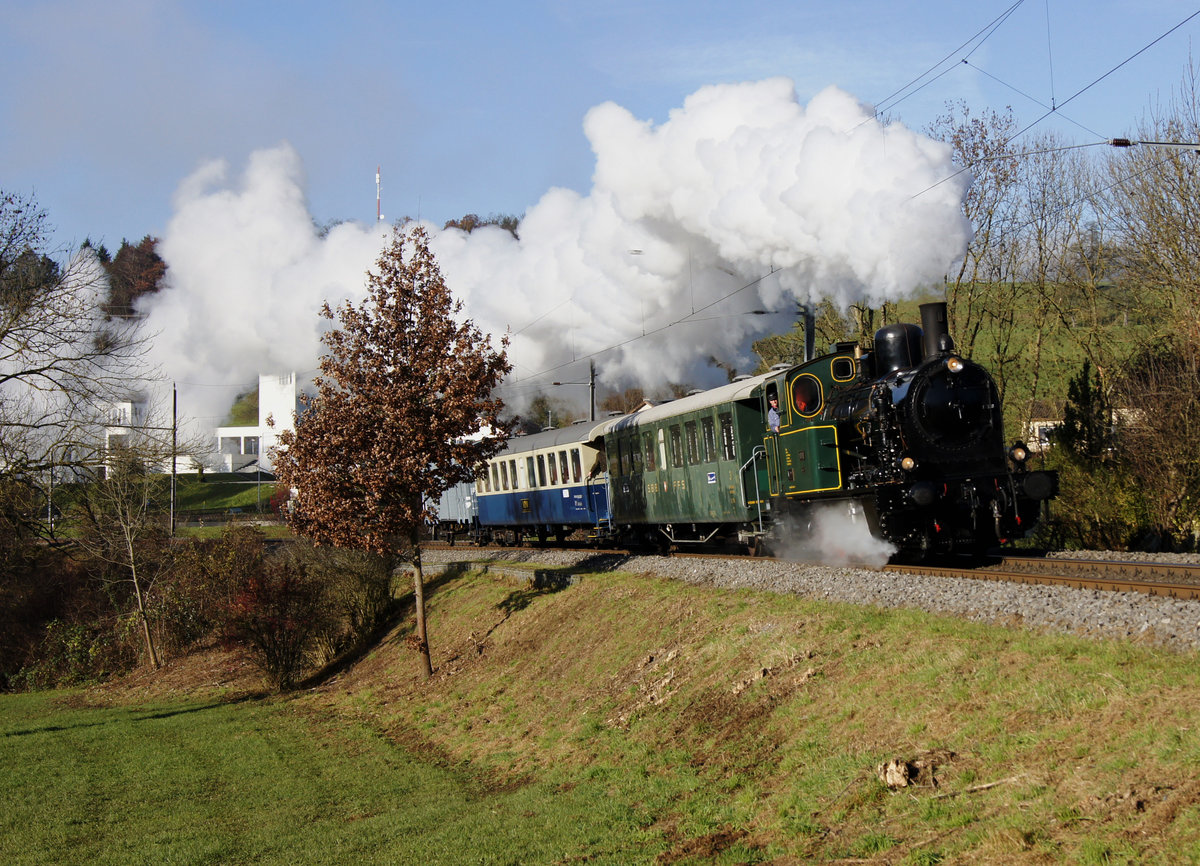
591,383
174,447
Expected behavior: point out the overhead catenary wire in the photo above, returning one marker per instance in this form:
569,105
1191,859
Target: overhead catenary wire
1054,109
1092,84
978,38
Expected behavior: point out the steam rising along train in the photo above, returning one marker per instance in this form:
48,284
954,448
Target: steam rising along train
907,437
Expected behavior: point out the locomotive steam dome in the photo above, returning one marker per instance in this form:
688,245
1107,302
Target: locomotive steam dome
897,347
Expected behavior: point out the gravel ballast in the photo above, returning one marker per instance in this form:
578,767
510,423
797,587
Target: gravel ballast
1149,619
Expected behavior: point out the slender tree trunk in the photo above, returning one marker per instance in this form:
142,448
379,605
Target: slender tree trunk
419,602
141,606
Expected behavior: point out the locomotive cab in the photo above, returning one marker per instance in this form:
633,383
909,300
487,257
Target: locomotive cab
803,459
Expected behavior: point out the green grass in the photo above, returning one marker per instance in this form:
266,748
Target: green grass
625,719
194,495
266,782
271,531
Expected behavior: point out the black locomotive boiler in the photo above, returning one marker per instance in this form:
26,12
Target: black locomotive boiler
922,441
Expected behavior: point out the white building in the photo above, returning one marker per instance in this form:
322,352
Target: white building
241,448
129,422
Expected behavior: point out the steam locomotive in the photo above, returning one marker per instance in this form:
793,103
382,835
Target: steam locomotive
907,438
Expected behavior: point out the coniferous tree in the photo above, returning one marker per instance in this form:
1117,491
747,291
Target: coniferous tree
1086,429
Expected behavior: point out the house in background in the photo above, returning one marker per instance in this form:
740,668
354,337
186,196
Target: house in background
247,448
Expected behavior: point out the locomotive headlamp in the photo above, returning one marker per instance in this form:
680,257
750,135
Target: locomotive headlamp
955,364
908,464
1019,453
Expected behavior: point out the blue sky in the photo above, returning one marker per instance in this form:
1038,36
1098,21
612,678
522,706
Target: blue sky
478,107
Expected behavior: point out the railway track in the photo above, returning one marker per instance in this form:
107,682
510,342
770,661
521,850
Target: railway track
1169,580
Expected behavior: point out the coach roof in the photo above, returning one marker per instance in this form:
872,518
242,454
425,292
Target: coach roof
741,390
583,431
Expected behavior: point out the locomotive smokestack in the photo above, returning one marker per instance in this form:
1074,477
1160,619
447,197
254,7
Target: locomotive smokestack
936,339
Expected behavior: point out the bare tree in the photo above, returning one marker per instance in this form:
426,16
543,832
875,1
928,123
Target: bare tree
122,527
62,360
403,392
1153,201
982,145
1051,298
1159,426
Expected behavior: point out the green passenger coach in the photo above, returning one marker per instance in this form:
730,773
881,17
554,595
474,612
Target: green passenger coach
706,466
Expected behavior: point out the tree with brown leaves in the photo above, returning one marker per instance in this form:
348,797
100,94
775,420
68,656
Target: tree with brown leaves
403,391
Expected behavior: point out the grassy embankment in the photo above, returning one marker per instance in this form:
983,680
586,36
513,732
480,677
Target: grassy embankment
625,719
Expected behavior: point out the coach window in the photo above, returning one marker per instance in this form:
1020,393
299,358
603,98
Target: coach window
504,474
709,432
553,465
541,460
728,449
576,465
562,464
806,395
648,443
693,447
530,478
512,470
617,461
676,446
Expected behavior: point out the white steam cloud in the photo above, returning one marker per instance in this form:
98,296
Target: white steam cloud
742,200
835,533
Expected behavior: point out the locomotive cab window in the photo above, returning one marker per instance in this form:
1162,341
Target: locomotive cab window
806,395
842,369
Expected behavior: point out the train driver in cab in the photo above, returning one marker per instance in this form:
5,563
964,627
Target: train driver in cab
773,413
